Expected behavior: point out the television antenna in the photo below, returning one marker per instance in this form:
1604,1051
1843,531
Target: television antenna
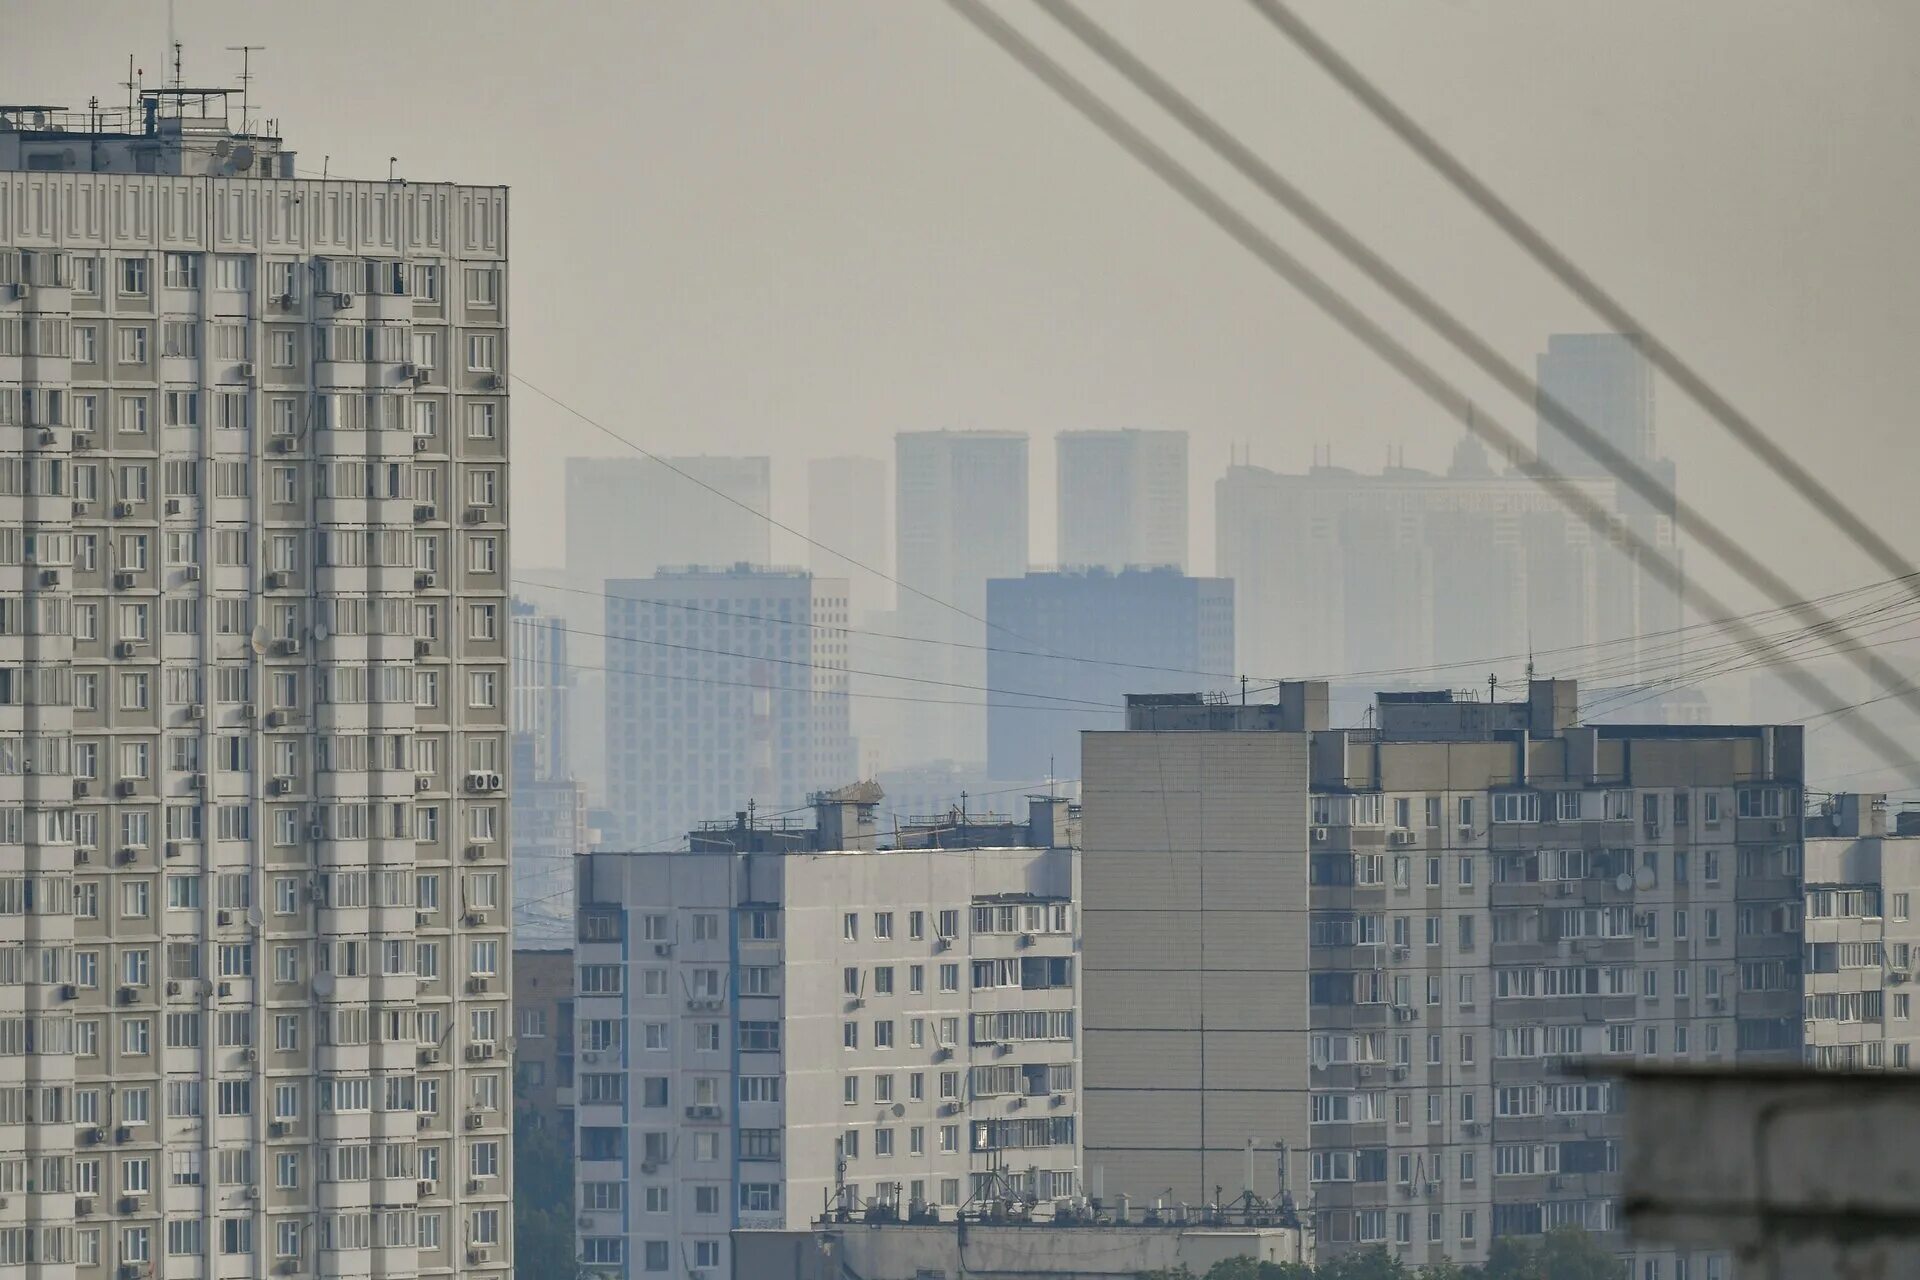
246,52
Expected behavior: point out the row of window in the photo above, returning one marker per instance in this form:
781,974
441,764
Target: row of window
424,282
1369,809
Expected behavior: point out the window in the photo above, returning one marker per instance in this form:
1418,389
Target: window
483,284
482,352
133,277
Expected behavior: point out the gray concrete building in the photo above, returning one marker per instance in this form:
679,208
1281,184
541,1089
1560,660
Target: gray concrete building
1122,499
850,510
787,1018
1377,955
253,734
727,687
549,807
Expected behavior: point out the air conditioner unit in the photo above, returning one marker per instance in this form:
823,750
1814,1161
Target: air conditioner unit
196,782
429,1056
283,444
80,788
1399,1073
1319,835
83,1207
473,1053
250,1054
82,855
857,1003
129,856
69,992
420,376
289,646
423,512
422,443
493,382
1563,890
477,1256
1466,830
128,995
486,1049
122,509
244,370
1364,1073
474,515
663,948
223,990
477,781
344,301
943,944
1431,1188
279,1129
283,301
79,508
495,782
475,852
942,1054
196,711
287,1266
476,986
475,1119
93,1137
49,577
649,1166
1471,1127
315,831
423,782
191,573
277,580
422,917
82,441
1401,953
590,1057
427,1186
173,506
126,648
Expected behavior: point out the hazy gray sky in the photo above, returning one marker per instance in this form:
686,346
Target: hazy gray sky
797,228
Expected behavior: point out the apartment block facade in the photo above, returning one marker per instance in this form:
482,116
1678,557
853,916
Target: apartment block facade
1378,956
253,827
1855,977
1122,499
787,1021
726,686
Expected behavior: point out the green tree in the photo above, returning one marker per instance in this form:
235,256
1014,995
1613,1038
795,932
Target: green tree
1373,1263
1447,1269
1565,1253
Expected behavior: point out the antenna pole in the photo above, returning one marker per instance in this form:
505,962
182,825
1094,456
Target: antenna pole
246,52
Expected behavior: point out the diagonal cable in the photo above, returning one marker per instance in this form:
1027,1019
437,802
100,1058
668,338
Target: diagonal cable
1583,286
1462,337
1422,376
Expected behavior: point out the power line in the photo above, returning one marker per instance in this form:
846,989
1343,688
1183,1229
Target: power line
1346,314
1451,328
647,453
878,635
817,666
1563,269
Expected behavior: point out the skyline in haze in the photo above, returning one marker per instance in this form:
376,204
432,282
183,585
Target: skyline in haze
951,249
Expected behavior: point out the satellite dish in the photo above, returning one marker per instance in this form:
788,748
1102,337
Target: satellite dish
256,917
223,148
319,631
258,640
899,1109
1644,878
323,984
243,156
1625,882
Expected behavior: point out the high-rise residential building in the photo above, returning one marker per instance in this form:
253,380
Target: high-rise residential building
728,687
1378,955
550,826
253,775
849,510
1123,499
1861,876
628,518
1337,571
960,512
1154,630
785,1020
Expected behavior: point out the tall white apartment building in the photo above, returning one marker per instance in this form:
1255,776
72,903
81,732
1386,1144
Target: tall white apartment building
253,550
789,1020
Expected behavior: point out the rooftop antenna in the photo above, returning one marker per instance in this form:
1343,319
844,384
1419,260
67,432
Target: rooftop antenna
130,84
391,162
1493,683
178,82
246,52
1243,691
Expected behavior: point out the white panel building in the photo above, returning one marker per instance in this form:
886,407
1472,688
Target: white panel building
786,1020
253,827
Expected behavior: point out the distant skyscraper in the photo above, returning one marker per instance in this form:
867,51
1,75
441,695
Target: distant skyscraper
1123,499
849,506
961,515
1150,618
708,710
549,806
629,518
1604,379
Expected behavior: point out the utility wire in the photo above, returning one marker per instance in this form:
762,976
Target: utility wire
647,453
1583,286
1349,317
1452,329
